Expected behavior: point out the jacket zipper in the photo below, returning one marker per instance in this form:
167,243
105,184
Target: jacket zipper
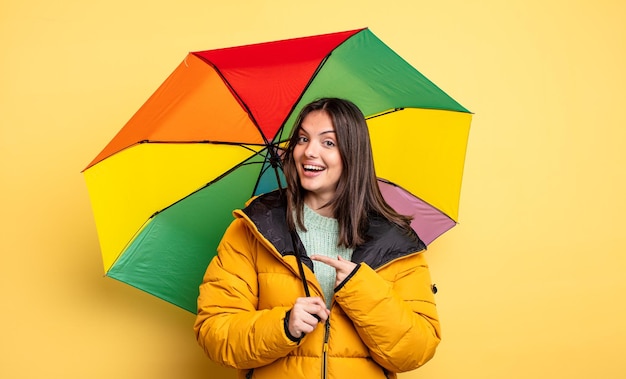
325,348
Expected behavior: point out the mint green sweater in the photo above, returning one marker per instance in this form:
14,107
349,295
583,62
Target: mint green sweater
322,238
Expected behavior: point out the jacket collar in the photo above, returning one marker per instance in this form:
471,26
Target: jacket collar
386,242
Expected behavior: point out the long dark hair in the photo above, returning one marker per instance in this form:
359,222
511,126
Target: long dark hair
357,196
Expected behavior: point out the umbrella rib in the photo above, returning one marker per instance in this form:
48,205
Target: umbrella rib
128,243
275,161
236,96
224,174
384,113
308,84
242,144
313,76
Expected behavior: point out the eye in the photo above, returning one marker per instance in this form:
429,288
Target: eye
302,139
329,143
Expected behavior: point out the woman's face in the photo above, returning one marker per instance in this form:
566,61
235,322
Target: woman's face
317,158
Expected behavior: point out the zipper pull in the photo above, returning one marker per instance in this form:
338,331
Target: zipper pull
326,331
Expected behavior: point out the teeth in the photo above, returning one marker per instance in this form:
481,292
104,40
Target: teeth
314,168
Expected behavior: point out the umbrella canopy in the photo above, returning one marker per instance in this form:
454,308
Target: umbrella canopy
210,137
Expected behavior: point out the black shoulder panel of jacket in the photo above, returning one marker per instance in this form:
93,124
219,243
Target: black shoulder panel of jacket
386,242
268,212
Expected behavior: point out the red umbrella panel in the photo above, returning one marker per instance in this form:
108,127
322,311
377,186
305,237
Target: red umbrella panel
211,137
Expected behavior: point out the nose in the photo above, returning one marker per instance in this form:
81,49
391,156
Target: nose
310,150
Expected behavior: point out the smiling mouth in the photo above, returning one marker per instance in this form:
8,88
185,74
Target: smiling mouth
312,168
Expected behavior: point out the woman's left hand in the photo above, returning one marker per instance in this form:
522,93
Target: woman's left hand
342,266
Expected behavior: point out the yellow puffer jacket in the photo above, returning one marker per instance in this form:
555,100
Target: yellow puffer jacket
383,319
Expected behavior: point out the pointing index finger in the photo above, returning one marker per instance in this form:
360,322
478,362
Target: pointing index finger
327,260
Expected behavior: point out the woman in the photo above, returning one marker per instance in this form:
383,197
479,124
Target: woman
365,310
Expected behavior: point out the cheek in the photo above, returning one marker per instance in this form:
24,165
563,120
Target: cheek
337,162
296,153
297,157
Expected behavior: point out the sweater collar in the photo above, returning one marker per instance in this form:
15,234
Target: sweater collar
314,220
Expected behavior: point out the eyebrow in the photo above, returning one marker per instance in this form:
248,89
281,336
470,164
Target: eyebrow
322,133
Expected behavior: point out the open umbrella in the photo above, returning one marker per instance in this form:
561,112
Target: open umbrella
211,136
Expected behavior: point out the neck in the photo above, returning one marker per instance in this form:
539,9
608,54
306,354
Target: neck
317,205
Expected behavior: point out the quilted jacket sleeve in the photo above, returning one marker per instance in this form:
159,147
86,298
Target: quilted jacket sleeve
228,326
395,315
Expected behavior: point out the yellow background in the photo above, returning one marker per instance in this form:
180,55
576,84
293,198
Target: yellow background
531,282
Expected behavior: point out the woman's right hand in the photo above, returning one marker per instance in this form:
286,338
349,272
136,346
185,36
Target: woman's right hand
302,318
